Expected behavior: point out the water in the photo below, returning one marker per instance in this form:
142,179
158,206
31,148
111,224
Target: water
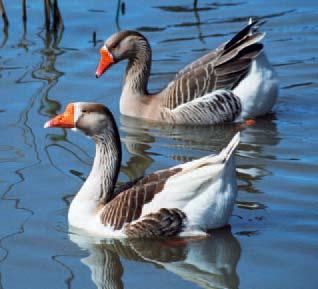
272,242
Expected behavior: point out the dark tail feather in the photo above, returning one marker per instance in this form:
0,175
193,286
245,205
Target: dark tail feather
251,51
248,30
245,44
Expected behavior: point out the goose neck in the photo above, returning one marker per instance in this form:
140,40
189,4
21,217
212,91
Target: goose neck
106,165
138,71
99,185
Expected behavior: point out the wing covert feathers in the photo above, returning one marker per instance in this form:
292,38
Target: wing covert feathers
164,223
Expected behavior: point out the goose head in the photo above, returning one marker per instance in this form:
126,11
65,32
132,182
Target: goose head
93,119
126,44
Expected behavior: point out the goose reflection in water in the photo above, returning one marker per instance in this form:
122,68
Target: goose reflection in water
144,139
210,262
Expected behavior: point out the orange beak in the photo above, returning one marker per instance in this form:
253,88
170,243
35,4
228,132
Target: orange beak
65,119
106,60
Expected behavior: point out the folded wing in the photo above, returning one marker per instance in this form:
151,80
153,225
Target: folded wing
127,206
222,68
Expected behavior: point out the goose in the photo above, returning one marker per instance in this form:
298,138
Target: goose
233,83
187,199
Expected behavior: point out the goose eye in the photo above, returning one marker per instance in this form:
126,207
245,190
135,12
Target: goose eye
84,111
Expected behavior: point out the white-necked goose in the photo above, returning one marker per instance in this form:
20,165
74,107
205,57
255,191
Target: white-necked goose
232,83
187,198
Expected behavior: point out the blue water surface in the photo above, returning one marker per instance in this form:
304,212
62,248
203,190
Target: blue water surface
272,241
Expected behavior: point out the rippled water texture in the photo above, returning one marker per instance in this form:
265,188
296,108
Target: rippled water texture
272,242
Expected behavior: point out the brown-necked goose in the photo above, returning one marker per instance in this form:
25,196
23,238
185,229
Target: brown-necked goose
188,198
232,83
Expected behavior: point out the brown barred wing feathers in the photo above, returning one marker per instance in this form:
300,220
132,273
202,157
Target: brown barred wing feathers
217,107
165,223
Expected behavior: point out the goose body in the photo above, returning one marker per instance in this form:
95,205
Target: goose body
232,83
187,199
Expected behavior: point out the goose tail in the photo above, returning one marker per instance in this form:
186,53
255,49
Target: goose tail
247,36
243,47
227,152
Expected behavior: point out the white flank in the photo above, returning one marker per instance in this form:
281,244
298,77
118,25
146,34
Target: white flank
258,91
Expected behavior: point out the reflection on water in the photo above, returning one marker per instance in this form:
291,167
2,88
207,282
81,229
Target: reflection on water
209,263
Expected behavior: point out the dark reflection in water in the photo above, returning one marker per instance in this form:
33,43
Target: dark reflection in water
210,262
46,73
140,136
